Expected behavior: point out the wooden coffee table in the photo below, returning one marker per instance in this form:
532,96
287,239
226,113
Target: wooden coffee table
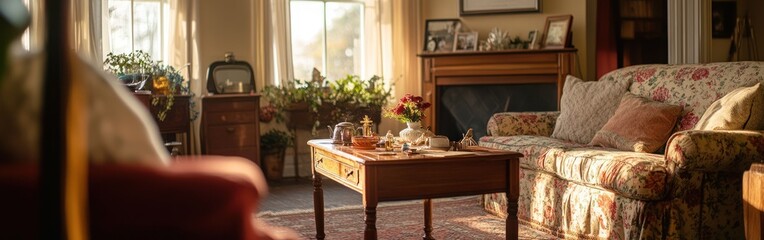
380,177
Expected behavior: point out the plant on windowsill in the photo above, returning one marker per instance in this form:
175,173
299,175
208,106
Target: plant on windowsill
316,102
140,73
273,146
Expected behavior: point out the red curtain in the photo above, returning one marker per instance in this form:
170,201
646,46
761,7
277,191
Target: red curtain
607,50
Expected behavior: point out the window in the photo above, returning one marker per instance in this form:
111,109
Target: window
130,25
327,35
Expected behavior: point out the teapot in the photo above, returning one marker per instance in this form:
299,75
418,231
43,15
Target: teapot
342,133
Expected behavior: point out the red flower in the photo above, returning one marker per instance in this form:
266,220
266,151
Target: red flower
406,98
661,94
699,74
400,109
644,75
425,105
409,109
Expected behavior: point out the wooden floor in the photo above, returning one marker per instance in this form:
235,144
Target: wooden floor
297,195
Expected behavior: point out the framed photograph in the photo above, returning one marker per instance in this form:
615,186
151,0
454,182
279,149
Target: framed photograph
557,31
440,34
475,7
723,17
466,41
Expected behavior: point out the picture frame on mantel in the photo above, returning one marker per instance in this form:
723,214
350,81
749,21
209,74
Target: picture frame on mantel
440,34
479,7
557,32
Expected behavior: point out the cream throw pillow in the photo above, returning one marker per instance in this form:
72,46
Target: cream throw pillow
585,107
740,109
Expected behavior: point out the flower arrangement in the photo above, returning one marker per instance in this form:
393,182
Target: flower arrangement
409,109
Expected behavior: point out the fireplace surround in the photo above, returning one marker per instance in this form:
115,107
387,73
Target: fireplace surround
466,88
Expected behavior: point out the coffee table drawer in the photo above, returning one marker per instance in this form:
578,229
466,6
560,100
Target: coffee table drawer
336,169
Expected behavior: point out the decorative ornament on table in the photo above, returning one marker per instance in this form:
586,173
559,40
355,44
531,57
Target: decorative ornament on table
409,110
468,140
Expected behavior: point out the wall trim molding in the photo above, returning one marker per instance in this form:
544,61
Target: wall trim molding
689,31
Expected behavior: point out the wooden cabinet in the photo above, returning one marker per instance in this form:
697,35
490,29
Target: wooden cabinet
177,120
492,68
230,125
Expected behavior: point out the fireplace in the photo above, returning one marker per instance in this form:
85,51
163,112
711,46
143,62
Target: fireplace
464,107
467,88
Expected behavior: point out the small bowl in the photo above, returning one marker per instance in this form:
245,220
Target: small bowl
365,142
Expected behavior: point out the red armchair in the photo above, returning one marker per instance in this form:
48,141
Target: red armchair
206,197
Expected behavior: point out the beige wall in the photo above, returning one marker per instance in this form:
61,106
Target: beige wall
224,26
519,24
720,47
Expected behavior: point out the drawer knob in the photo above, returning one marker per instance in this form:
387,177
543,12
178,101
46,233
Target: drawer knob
348,173
229,129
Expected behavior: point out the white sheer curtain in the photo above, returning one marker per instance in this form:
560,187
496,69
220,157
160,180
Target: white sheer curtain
183,55
282,52
86,28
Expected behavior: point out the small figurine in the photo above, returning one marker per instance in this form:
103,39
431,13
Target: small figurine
367,122
468,140
317,77
389,141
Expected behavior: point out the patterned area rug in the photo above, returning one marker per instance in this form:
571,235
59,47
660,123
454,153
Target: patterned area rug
460,218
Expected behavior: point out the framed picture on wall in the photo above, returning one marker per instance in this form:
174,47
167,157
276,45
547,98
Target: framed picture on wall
557,31
475,7
440,34
723,17
466,41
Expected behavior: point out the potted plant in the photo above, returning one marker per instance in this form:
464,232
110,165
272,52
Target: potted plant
139,72
273,146
316,102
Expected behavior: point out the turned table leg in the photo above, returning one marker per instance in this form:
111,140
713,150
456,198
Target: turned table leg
370,208
427,220
318,206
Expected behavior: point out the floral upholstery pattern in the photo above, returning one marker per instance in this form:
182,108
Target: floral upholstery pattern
692,86
522,123
584,192
717,150
636,175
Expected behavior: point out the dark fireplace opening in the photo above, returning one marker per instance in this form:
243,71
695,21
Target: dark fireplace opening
464,107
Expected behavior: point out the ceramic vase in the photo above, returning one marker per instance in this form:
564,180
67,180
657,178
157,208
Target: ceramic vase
411,132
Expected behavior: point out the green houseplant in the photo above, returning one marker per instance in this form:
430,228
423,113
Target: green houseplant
273,146
138,72
316,102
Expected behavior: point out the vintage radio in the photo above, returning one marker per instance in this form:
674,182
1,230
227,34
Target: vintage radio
230,76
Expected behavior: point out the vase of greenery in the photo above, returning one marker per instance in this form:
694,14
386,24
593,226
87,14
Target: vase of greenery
273,146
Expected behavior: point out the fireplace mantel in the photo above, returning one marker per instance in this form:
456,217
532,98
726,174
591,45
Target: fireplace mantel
546,66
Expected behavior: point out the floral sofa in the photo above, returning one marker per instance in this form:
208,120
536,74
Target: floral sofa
693,191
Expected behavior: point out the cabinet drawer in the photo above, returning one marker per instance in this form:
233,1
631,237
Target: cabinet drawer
217,118
218,106
232,136
339,170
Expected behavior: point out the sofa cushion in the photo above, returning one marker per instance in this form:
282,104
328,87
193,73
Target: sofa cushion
585,107
639,125
733,111
634,175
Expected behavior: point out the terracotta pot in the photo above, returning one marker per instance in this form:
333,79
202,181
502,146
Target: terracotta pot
273,163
